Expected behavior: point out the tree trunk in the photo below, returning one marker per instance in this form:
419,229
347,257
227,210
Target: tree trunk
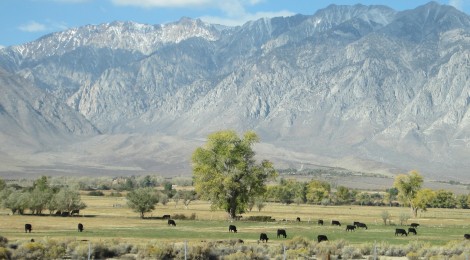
233,206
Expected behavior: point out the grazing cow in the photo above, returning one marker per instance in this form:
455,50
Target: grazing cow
75,211
320,222
166,217
414,225
350,228
335,223
240,241
232,228
263,237
28,228
281,232
298,219
412,230
400,231
467,236
80,227
171,222
360,225
322,238
64,214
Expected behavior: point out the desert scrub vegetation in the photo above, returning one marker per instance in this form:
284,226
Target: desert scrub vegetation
295,248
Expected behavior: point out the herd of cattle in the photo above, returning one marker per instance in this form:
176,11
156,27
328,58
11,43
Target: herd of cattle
282,232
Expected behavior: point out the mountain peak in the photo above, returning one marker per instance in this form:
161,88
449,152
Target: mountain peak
365,82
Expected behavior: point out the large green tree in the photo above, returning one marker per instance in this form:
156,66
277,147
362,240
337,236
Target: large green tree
408,186
69,199
226,172
142,200
317,191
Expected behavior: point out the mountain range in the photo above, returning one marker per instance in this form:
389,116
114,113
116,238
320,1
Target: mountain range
365,88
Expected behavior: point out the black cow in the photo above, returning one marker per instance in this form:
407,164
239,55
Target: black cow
64,214
80,227
298,219
232,228
322,238
28,228
335,223
350,228
281,232
360,225
412,230
171,222
320,222
414,225
467,236
400,231
166,217
263,237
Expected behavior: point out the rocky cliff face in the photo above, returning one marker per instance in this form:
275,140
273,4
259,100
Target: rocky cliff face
361,87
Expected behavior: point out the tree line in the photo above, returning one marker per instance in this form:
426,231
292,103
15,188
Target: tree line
40,198
226,173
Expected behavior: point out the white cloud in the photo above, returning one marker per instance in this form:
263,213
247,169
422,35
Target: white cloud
456,3
234,11
239,20
164,3
71,1
33,27
47,26
1,47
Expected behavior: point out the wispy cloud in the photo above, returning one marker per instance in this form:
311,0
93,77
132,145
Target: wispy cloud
245,17
33,26
234,11
48,25
456,3
164,3
71,1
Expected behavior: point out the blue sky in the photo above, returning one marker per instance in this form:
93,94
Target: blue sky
22,21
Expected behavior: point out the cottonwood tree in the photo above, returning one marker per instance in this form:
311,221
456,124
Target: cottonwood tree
69,199
423,199
142,200
408,186
317,191
226,173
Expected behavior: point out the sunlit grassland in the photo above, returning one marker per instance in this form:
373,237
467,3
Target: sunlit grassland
110,218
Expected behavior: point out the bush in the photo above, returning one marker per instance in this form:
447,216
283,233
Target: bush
30,250
4,253
179,216
260,218
351,252
157,250
3,241
96,193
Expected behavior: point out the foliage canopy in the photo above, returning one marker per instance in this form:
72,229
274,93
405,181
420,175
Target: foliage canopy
226,173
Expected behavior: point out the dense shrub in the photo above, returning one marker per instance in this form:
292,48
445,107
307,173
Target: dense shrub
30,250
260,218
4,253
96,193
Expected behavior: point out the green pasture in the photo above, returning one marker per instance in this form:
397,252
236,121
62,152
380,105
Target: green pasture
109,218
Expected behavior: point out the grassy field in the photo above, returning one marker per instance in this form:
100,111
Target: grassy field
110,218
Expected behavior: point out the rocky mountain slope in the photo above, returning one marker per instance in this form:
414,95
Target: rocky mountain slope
361,87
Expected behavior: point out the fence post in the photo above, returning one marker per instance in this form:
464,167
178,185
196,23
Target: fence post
185,250
284,252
